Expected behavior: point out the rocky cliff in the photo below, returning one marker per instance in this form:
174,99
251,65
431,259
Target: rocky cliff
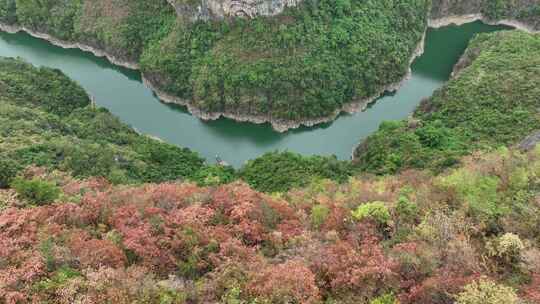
220,9
526,12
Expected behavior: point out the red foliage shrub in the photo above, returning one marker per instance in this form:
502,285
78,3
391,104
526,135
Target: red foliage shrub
139,236
336,219
438,288
119,286
233,250
194,215
290,282
253,215
93,253
362,269
16,279
531,292
13,297
95,184
168,196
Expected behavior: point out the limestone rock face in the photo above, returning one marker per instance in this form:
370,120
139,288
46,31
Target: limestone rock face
524,11
194,10
446,8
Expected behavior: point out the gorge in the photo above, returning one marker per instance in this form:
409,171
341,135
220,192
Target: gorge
121,91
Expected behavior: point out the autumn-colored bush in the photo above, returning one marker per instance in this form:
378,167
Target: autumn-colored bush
290,282
531,292
180,243
93,253
437,288
361,270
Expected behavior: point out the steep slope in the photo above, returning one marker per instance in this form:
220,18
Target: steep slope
413,237
524,13
221,9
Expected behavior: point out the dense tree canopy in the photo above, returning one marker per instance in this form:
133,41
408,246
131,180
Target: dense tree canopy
305,63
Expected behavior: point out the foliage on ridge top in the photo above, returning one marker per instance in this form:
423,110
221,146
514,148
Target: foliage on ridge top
188,244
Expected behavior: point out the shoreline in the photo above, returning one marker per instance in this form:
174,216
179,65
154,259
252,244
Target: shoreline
284,126
12,29
461,20
468,18
278,125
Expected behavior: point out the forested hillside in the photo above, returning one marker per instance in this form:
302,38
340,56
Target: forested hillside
492,101
121,28
303,65
441,208
48,120
468,236
300,66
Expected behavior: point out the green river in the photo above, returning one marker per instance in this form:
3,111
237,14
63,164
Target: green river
121,91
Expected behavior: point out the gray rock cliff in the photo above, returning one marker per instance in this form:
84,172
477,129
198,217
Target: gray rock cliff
220,9
524,11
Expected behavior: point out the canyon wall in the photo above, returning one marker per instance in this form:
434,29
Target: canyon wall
524,12
194,10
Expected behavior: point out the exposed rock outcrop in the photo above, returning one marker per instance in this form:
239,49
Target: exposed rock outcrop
194,10
523,14
530,142
445,8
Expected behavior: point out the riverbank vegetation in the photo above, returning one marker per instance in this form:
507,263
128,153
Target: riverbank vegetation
48,120
493,101
303,64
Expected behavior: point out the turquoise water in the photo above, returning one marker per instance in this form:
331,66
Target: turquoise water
121,91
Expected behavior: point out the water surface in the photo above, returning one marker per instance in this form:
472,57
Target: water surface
121,91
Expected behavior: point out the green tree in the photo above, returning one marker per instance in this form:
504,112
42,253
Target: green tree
36,191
